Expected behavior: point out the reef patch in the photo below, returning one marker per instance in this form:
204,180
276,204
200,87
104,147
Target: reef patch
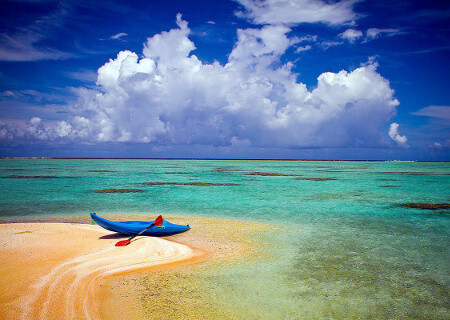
174,173
272,174
197,184
118,191
427,206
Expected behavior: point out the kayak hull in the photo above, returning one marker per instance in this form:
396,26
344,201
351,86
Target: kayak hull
134,227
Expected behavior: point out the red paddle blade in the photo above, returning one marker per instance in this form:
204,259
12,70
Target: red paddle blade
158,221
123,243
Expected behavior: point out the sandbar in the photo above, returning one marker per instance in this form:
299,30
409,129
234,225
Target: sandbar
52,270
72,270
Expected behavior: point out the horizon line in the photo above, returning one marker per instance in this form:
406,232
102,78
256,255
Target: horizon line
211,159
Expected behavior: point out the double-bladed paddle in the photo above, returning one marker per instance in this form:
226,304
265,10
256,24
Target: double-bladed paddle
158,222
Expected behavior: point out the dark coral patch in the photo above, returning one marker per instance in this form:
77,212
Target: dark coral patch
317,179
174,173
386,179
158,183
101,171
201,184
272,174
208,184
423,173
427,206
118,191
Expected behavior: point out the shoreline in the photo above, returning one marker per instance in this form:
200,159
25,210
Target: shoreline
73,268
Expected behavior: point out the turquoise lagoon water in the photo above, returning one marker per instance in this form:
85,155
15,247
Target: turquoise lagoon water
346,248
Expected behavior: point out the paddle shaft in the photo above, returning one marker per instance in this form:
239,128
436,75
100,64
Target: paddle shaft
157,222
141,232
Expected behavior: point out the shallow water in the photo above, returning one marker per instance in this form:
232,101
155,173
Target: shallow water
346,248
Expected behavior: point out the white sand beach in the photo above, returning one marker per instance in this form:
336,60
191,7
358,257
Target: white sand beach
52,270
64,268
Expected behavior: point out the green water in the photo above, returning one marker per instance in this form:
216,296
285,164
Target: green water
347,248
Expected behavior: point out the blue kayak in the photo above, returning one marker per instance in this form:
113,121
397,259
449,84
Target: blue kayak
134,227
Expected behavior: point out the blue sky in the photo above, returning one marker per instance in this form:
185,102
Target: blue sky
305,79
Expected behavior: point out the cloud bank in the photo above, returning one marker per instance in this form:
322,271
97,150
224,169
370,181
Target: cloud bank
167,96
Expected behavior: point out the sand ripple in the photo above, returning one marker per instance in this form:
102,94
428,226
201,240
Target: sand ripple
67,290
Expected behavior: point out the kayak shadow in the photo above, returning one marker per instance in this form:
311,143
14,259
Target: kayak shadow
116,235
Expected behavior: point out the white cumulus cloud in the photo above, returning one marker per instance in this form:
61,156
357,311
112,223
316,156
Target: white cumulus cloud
399,139
351,35
168,96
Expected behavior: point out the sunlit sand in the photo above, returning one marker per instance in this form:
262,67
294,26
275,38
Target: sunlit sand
52,270
74,270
